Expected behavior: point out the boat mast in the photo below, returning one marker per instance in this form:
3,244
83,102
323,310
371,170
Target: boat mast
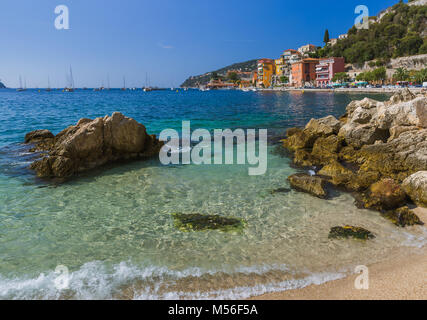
71,78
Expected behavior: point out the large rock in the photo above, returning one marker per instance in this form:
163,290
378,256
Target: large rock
397,158
309,184
339,175
324,126
326,149
359,135
416,188
384,195
316,128
403,217
38,135
401,96
92,143
402,114
369,121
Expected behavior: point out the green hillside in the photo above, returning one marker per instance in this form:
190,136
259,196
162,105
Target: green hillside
203,79
2,86
401,31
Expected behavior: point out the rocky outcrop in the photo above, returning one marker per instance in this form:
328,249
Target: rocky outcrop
371,150
315,186
316,128
90,144
384,195
370,121
350,232
416,187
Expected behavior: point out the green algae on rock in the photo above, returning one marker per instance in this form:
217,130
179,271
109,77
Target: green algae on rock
385,194
350,232
200,222
403,217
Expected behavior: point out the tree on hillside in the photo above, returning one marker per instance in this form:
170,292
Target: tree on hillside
284,79
341,77
214,76
401,74
420,76
379,74
233,77
326,37
400,32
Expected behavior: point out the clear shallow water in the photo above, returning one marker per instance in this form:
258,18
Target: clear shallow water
113,228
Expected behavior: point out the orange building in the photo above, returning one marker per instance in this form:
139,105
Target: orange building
266,70
304,71
255,77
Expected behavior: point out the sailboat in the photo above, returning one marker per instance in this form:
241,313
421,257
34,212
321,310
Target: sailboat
48,85
20,85
71,82
147,88
124,84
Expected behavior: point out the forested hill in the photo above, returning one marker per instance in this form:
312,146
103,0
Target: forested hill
203,79
2,86
399,31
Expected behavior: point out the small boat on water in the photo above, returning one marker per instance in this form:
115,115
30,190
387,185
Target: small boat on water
48,85
70,87
124,84
20,89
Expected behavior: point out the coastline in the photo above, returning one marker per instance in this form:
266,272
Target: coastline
400,277
347,90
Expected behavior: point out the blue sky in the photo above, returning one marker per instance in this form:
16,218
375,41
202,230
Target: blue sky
168,39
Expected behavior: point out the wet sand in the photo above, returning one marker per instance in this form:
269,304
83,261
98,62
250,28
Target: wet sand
401,277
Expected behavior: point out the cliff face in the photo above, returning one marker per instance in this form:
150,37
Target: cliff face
417,62
2,86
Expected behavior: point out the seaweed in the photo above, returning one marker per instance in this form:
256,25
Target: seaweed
200,222
350,232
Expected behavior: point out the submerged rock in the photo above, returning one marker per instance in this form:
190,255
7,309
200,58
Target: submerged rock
415,187
199,222
280,190
313,185
90,144
350,232
403,217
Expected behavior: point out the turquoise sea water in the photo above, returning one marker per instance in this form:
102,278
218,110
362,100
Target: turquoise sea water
113,229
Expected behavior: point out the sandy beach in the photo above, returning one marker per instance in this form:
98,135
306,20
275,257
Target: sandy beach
401,277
